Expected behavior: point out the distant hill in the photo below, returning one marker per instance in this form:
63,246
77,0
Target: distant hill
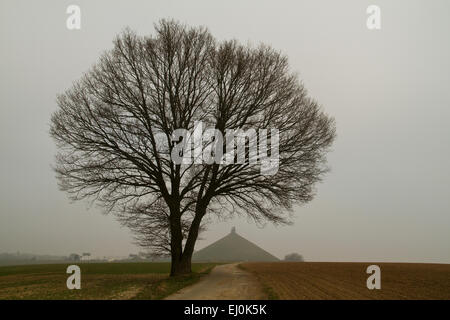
233,247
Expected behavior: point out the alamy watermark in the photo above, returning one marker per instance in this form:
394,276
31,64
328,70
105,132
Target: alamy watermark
74,280
241,147
374,280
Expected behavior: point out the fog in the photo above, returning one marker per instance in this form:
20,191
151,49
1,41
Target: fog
387,195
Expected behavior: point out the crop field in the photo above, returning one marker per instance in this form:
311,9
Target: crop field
98,281
317,280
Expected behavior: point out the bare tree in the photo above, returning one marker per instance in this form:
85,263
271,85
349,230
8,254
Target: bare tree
114,129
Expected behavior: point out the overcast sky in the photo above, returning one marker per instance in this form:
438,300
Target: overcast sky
387,197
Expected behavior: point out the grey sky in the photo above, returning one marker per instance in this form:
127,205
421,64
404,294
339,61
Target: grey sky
388,195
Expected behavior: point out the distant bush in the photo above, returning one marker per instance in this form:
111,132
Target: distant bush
294,257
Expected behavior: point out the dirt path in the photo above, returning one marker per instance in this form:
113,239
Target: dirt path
223,282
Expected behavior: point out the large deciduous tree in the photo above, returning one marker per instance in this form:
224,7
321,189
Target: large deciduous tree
114,129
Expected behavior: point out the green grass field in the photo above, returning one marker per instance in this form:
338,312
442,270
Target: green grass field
98,281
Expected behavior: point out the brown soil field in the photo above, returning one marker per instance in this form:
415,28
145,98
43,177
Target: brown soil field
342,280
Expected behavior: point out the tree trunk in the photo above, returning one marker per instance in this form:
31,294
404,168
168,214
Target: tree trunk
180,266
182,259
192,238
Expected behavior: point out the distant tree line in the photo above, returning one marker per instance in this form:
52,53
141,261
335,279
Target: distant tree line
294,257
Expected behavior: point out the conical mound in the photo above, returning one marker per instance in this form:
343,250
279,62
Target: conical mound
233,248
